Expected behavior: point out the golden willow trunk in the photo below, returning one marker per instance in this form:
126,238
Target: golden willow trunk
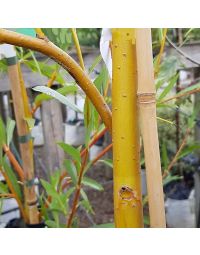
128,211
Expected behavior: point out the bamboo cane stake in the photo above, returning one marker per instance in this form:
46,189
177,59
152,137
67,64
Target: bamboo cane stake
27,159
128,211
147,106
63,59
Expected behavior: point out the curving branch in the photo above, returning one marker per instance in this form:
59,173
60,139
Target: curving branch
182,53
63,59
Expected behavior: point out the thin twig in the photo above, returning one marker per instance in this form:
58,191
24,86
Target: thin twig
14,162
180,95
166,172
7,195
102,153
77,192
182,53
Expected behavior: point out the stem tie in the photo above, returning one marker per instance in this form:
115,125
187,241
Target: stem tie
147,98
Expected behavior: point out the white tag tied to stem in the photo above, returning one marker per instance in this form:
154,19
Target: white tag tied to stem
106,37
7,51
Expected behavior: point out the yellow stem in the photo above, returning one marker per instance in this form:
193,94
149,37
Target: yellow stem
39,33
80,58
128,211
78,48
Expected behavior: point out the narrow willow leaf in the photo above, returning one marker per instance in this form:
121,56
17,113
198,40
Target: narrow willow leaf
36,62
71,170
171,178
57,96
2,132
95,63
12,177
49,189
9,130
63,91
101,80
45,69
86,203
51,224
69,192
191,148
92,183
55,178
169,87
74,153
188,89
3,188
108,162
30,122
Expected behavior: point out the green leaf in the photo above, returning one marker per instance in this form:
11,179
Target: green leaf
108,162
2,132
51,223
59,36
3,188
59,205
146,220
105,225
92,184
55,178
188,89
70,150
186,151
171,178
1,205
30,122
63,91
102,79
95,63
86,203
71,170
12,177
9,130
36,62
169,87
49,189
192,119
168,68
45,70
69,192
57,96
55,31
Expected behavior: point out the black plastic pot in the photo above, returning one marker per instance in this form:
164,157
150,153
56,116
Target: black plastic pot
19,223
